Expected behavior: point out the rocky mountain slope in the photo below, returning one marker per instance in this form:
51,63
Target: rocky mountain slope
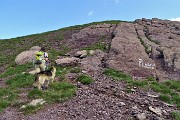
143,48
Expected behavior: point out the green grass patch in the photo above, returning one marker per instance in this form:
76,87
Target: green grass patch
84,79
142,83
15,69
156,88
21,80
161,88
56,92
176,115
117,75
62,71
4,104
165,98
35,94
172,84
75,70
54,53
59,37
176,100
7,96
63,50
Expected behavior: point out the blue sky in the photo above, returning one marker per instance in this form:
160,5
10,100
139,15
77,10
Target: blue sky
25,17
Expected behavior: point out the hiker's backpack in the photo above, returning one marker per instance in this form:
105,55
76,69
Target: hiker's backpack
39,57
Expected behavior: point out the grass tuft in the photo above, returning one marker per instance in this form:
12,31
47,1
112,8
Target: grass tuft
57,92
35,94
84,79
165,98
75,70
7,96
117,75
21,80
176,115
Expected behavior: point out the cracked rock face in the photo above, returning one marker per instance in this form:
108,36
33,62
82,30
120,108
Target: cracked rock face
164,36
127,54
171,57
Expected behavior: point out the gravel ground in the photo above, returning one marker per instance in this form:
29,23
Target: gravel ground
105,99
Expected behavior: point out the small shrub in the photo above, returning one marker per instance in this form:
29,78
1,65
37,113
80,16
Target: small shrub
84,79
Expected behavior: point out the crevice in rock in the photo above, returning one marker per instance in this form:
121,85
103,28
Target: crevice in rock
143,43
146,31
112,36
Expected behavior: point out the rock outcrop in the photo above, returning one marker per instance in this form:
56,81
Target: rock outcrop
127,54
164,36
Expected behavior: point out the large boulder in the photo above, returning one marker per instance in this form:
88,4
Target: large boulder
81,54
27,56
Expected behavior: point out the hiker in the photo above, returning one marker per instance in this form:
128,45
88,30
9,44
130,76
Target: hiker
41,61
